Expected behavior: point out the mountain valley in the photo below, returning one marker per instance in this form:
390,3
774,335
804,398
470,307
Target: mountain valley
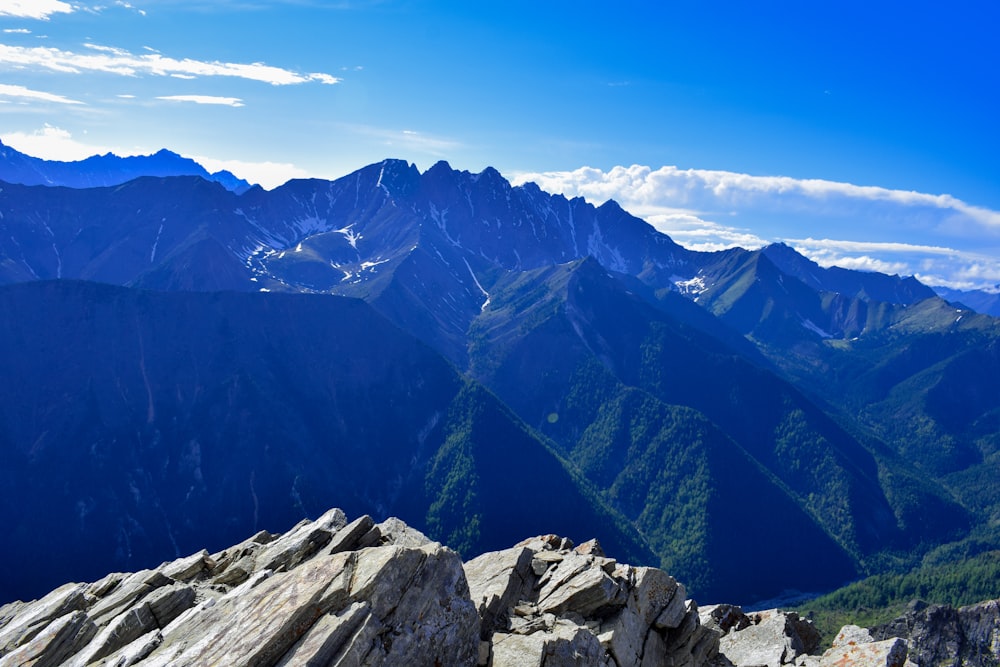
484,361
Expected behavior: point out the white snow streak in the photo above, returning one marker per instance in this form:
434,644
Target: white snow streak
152,253
476,280
379,184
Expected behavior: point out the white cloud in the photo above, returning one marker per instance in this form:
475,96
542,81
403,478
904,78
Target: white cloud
266,174
695,233
17,31
642,188
51,143
833,245
932,265
947,241
34,9
204,99
112,60
871,264
323,78
23,93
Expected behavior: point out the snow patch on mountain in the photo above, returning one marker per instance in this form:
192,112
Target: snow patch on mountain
691,287
349,234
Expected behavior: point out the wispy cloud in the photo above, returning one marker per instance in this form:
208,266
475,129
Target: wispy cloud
112,60
833,245
23,93
128,5
34,9
933,265
409,140
204,99
948,241
17,31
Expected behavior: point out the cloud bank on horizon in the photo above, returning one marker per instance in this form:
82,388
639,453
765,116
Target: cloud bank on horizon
948,242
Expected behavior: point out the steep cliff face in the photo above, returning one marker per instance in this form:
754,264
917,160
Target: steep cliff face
134,411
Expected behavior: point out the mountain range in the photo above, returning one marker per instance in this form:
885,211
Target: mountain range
485,361
104,170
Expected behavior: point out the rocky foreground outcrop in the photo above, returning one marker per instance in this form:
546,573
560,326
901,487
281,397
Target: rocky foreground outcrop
339,592
333,592
775,638
943,636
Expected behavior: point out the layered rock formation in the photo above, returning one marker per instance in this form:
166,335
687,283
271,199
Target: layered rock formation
545,603
943,636
326,592
774,638
333,592
339,592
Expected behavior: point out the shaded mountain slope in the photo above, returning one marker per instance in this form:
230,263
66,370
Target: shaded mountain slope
567,347
922,377
689,488
919,375
121,235
145,424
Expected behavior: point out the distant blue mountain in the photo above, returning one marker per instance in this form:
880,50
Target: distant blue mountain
106,170
981,301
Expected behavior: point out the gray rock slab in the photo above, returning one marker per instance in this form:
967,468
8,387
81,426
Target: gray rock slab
55,644
886,653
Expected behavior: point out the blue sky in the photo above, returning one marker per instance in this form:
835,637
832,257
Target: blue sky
878,117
